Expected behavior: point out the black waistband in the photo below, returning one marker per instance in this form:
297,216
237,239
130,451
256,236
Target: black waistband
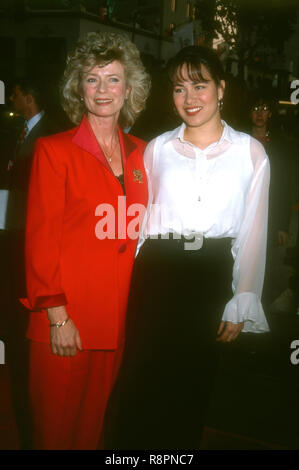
191,244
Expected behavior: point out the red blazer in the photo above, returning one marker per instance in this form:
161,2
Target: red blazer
66,263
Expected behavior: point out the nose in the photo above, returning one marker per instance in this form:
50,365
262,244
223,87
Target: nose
189,95
102,86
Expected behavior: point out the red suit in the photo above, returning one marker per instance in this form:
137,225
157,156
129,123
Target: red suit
67,264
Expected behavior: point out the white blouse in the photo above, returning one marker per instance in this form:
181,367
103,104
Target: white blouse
221,191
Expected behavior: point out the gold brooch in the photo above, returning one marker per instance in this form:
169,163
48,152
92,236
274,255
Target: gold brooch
138,176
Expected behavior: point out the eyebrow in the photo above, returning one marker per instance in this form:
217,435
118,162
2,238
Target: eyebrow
193,82
96,75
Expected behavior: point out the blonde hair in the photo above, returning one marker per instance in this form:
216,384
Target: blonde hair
101,48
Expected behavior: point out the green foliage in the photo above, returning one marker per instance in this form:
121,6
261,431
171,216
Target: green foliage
248,25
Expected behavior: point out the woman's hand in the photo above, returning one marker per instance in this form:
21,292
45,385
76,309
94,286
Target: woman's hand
64,340
228,331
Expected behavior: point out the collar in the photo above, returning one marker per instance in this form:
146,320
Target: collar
178,133
85,138
33,121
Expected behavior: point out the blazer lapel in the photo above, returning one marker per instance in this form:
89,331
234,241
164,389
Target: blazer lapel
85,138
127,146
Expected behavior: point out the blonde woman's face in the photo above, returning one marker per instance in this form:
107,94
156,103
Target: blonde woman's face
104,90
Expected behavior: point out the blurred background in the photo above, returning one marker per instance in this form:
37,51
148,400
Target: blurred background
258,44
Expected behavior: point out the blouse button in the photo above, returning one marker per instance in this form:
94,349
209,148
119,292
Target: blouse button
122,248
199,198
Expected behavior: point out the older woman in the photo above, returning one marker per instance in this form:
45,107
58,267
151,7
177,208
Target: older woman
80,245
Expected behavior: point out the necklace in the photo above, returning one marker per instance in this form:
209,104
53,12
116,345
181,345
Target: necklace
264,139
112,150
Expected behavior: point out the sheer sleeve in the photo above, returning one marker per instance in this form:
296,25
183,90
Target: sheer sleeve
249,250
148,164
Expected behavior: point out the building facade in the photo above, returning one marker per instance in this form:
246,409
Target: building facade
37,34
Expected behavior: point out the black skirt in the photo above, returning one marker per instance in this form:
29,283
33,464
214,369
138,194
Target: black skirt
177,298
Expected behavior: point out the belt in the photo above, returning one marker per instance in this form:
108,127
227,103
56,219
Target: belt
191,242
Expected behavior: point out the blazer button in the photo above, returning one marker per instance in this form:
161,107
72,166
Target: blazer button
122,248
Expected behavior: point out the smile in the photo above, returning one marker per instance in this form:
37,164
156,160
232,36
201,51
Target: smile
103,101
192,111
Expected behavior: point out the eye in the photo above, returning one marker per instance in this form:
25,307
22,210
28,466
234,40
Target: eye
114,79
90,80
199,87
178,90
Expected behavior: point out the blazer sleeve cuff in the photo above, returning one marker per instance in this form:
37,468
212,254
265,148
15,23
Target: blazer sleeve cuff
45,301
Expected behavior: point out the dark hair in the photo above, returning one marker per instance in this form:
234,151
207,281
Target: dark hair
194,57
30,86
261,96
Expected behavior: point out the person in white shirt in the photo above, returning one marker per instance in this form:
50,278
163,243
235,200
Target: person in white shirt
199,272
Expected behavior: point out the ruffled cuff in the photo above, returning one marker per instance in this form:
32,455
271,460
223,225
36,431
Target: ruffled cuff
247,308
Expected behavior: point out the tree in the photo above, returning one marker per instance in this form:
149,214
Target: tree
205,12
251,28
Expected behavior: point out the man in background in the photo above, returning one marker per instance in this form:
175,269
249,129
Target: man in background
27,100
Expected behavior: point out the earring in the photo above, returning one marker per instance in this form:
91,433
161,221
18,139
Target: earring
81,99
220,104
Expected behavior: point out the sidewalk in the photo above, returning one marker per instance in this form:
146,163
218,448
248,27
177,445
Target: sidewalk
255,405
256,392
9,439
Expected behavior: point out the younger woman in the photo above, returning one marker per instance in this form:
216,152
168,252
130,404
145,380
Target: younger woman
199,272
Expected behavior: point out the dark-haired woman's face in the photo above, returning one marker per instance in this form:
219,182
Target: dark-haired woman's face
197,101
260,114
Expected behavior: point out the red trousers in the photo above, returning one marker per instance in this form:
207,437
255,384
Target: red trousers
69,395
